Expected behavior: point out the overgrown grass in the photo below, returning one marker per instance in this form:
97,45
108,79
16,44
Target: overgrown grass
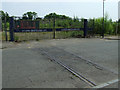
36,36
69,34
4,37
26,36
32,36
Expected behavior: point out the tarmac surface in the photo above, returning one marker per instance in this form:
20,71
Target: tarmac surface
26,66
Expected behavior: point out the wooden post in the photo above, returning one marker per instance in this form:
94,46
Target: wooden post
1,27
85,28
54,28
11,29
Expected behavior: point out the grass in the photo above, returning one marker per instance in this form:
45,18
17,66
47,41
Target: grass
36,36
26,36
3,36
68,34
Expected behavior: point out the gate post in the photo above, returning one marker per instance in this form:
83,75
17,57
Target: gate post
5,27
11,29
1,24
54,28
85,27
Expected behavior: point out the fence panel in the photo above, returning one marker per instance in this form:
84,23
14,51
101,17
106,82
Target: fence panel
47,29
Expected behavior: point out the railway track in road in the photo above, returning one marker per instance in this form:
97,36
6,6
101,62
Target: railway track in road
70,70
92,63
86,70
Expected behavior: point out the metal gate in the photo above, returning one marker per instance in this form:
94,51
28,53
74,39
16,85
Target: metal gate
52,26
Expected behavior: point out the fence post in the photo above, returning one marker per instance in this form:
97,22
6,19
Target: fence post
11,29
54,28
116,28
37,24
5,29
1,24
85,28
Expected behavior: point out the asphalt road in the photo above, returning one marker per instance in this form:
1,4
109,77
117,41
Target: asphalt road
24,65
24,68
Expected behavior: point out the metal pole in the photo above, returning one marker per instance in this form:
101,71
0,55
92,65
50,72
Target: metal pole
1,24
85,27
5,30
54,28
116,28
11,29
103,21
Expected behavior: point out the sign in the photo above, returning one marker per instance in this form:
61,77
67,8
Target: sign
25,24
69,29
33,30
49,30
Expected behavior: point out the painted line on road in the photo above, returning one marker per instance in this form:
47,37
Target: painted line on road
106,84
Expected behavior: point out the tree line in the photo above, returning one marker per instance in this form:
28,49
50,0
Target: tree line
110,27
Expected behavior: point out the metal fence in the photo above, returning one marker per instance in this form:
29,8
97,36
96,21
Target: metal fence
18,29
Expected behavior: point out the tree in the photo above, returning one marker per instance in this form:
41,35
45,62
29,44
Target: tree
38,18
57,16
30,15
119,20
4,15
51,15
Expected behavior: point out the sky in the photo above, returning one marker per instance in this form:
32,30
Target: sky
80,8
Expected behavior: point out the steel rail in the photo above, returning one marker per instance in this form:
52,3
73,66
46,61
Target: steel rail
70,69
96,65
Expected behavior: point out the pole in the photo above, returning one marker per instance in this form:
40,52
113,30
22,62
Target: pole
116,28
5,30
11,29
103,21
1,24
53,27
85,28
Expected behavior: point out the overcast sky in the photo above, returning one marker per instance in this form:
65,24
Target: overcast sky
80,8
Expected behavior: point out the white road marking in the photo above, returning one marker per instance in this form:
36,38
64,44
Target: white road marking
106,84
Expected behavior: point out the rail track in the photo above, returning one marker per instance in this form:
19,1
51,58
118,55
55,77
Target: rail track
91,62
81,77
67,61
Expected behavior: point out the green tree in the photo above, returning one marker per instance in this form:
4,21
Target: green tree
30,15
119,20
51,15
57,16
4,15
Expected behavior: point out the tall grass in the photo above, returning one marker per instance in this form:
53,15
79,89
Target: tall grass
26,36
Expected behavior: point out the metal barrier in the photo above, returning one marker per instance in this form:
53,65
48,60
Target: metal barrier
20,25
